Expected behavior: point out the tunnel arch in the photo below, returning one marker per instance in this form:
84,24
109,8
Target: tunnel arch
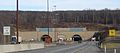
44,36
76,37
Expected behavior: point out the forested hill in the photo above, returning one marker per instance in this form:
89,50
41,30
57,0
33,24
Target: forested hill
29,20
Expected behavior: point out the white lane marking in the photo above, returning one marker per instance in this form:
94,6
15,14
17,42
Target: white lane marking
77,50
67,48
85,48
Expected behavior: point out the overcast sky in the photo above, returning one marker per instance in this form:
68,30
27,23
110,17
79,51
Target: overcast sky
40,5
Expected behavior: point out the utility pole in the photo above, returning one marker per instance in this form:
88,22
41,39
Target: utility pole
17,21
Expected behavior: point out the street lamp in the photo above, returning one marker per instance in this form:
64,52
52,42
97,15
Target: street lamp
17,21
54,7
54,21
48,14
106,19
93,15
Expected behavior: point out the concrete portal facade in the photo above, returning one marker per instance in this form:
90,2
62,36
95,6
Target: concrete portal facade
56,33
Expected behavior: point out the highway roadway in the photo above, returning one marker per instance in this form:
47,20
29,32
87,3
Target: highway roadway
84,47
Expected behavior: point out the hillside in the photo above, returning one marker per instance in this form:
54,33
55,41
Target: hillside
29,20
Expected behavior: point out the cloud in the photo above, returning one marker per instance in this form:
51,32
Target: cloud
32,2
61,4
7,3
82,4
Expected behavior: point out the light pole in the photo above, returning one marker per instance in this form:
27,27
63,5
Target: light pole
93,16
54,20
106,15
54,7
17,21
48,14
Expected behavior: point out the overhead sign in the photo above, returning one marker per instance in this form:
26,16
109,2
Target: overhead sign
6,30
112,33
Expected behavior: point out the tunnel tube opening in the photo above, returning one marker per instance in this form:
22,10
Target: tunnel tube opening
76,37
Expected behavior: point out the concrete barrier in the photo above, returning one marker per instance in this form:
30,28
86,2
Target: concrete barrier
20,47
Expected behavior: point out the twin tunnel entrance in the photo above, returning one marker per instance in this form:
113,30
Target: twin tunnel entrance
75,37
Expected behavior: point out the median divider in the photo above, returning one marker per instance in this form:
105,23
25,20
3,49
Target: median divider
20,47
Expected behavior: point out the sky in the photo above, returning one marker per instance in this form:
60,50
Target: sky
40,5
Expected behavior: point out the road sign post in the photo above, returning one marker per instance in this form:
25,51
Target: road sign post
6,30
6,33
112,33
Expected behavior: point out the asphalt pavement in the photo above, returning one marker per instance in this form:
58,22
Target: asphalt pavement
84,47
